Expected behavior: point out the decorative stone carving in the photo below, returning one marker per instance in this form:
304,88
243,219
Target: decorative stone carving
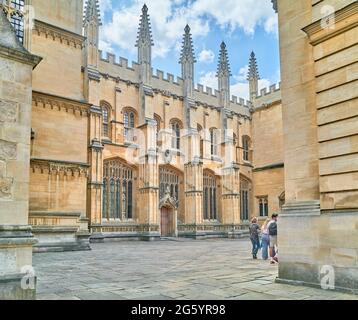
5,188
8,111
7,150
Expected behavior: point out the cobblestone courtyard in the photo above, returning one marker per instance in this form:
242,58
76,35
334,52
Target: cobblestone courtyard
182,269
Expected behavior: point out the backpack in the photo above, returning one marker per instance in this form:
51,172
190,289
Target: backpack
273,228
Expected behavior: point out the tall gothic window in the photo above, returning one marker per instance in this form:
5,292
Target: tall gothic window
14,10
176,135
210,208
246,148
129,125
245,198
169,181
117,191
214,142
105,121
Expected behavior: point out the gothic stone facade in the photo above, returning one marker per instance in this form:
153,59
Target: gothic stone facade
120,151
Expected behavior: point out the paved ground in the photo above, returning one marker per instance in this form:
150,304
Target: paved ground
183,269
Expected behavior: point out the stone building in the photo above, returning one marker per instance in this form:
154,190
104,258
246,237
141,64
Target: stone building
118,150
122,151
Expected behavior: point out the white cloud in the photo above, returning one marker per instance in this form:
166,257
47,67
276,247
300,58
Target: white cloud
169,18
206,56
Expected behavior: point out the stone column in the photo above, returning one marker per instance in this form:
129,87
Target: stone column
16,239
95,158
193,179
300,140
149,183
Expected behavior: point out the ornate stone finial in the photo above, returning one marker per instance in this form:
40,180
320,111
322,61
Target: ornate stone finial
253,77
253,69
145,31
274,5
224,65
92,13
187,52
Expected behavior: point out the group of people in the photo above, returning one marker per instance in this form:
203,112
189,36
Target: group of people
265,238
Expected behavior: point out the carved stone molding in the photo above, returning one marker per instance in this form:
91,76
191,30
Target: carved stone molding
60,104
64,36
53,167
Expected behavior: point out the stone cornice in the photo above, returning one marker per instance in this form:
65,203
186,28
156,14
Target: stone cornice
44,100
54,32
20,56
266,106
56,167
269,167
344,19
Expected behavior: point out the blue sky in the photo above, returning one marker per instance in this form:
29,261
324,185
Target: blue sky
244,25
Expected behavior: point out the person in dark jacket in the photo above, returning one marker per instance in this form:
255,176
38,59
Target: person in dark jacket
272,228
254,237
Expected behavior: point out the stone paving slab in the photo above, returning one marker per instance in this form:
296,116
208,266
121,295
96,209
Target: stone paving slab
164,270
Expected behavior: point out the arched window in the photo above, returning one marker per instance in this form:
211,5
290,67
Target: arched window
210,208
175,126
117,191
105,121
15,13
246,142
214,142
129,125
168,180
245,198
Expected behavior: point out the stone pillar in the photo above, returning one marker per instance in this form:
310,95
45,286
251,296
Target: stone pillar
193,179
16,239
149,183
95,158
318,240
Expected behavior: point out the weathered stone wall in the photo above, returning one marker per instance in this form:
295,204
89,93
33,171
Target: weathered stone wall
66,14
319,228
16,240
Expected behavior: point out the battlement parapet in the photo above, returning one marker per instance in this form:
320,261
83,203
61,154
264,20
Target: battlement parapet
110,66
268,95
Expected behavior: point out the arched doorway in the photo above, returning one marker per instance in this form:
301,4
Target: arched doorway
168,216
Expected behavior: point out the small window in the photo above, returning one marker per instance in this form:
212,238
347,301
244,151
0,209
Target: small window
105,124
263,206
129,125
246,148
214,142
176,135
15,13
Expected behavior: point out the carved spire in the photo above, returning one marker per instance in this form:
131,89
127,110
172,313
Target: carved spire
92,13
253,69
187,52
187,60
224,74
144,38
224,65
253,76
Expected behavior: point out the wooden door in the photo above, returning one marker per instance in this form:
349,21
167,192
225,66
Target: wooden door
167,222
